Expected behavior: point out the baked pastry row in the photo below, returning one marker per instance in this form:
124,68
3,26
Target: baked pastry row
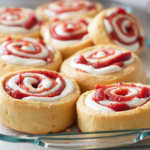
69,35
42,101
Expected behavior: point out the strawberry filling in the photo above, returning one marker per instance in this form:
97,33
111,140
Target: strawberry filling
17,14
31,22
69,28
118,60
120,94
99,95
119,107
130,30
81,60
144,92
19,80
18,47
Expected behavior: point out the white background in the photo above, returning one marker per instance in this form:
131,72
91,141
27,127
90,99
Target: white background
140,9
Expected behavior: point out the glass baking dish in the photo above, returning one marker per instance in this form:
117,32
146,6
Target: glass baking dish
88,140
74,139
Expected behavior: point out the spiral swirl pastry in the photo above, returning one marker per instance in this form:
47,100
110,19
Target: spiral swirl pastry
27,52
66,8
16,20
38,86
123,29
119,97
67,31
102,61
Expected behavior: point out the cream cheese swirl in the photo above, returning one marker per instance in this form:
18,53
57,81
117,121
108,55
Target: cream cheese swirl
123,29
100,56
103,105
26,52
18,20
68,31
39,86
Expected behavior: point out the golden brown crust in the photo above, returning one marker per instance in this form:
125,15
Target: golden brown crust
132,73
92,13
37,118
6,67
66,50
90,120
98,31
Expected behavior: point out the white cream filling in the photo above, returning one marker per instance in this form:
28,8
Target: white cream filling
25,61
9,16
99,54
87,54
133,47
8,29
15,22
108,26
29,48
59,30
45,84
100,71
122,36
97,107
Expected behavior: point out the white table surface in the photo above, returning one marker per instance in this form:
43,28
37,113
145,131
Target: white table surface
140,11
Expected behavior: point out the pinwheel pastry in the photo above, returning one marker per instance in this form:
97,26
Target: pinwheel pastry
68,36
27,53
68,9
116,26
38,101
19,22
114,107
103,64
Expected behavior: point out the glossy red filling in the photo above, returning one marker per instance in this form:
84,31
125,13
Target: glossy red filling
31,22
76,26
19,80
119,95
38,49
70,8
129,29
118,60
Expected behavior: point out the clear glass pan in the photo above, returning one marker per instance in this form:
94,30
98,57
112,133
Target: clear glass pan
89,140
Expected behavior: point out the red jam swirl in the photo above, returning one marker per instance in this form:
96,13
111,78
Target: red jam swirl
72,29
119,93
20,81
18,17
117,60
15,47
126,25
